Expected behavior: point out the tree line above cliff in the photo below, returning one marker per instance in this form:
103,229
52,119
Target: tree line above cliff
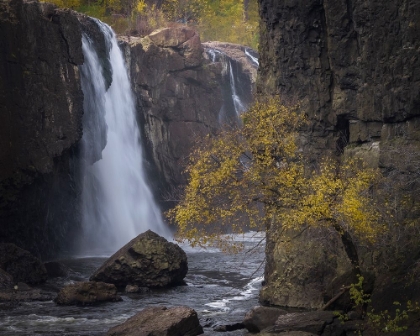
234,21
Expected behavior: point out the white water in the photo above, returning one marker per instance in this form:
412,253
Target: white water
237,101
117,201
252,58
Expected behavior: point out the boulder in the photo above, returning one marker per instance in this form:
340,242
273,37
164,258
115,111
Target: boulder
259,318
6,280
148,260
87,293
160,321
56,269
171,37
21,264
311,322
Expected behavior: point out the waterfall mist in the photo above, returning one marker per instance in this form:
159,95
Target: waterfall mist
117,203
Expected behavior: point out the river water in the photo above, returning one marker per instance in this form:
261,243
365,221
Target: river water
220,287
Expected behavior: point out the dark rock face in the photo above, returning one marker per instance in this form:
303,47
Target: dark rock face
178,98
21,265
56,269
6,280
260,318
40,123
87,293
353,67
146,261
311,324
160,321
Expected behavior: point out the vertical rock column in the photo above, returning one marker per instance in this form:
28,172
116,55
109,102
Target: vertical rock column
41,107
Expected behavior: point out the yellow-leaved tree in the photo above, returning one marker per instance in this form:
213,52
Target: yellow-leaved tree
255,174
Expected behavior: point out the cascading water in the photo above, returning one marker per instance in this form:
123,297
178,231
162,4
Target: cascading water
237,87
117,202
237,101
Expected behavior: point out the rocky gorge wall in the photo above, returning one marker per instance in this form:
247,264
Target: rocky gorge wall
41,108
354,68
180,93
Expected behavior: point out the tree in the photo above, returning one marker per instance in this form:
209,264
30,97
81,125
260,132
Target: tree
257,172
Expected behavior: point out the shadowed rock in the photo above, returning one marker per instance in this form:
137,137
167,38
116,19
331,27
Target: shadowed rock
160,321
87,293
6,280
56,269
311,322
21,265
260,318
146,261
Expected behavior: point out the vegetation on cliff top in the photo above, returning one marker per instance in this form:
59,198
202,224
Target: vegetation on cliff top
234,21
256,174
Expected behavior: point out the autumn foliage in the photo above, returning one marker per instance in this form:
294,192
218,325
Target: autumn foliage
233,21
256,174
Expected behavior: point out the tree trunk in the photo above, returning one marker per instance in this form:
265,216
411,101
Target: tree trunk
349,246
246,6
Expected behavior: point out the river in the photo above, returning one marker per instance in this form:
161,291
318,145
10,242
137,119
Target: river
220,287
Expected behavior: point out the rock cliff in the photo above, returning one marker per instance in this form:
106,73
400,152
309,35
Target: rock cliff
40,122
179,93
354,67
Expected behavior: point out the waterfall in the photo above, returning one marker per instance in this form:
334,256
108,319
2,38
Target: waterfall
251,57
117,203
236,86
237,101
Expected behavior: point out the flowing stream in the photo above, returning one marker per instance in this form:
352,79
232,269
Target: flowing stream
117,201
221,288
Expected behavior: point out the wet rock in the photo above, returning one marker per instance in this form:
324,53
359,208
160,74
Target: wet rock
311,322
87,293
229,327
22,287
21,265
26,295
136,289
6,280
259,318
148,260
160,321
56,269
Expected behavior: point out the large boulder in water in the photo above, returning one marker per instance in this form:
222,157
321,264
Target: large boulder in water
87,293
21,265
148,260
160,321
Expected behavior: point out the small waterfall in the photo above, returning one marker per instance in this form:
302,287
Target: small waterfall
236,86
251,57
117,202
237,101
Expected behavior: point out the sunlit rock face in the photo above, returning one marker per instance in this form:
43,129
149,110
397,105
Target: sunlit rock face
41,108
353,66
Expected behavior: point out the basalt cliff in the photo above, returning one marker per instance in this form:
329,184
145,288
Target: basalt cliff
354,68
